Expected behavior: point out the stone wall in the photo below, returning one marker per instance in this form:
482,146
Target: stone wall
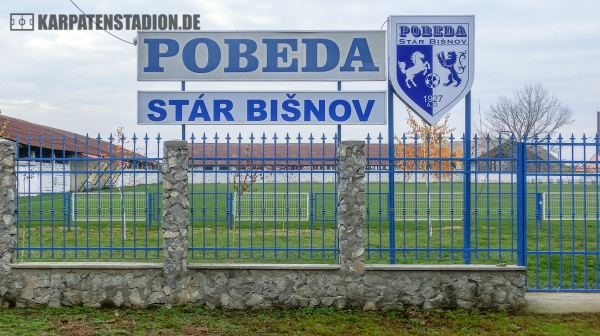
263,286
8,194
176,206
348,284
351,205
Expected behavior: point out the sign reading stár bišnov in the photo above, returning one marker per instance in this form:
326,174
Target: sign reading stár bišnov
282,108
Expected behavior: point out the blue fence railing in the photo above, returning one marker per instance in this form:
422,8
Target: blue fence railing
87,198
269,199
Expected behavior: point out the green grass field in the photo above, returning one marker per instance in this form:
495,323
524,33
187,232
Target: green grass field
306,321
562,253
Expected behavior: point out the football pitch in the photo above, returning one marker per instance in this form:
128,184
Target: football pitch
295,222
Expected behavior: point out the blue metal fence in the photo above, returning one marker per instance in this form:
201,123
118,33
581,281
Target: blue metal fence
271,204
273,199
429,202
561,249
87,198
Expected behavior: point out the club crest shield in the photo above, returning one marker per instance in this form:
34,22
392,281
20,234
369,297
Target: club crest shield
431,62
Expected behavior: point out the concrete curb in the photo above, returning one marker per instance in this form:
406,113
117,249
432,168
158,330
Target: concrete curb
562,303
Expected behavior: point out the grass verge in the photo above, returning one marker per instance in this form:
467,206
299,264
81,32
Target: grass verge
306,321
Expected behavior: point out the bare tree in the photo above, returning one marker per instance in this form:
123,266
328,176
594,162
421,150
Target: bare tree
532,110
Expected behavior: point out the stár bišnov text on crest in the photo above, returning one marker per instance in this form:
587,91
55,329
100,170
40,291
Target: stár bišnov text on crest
431,64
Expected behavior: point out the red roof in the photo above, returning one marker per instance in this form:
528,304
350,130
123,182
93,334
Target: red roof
591,167
280,154
28,133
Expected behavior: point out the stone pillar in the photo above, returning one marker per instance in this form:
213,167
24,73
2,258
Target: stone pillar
8,217
176,206
351,205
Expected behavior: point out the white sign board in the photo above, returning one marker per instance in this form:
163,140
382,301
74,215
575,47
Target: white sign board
283,108
259,56
431,61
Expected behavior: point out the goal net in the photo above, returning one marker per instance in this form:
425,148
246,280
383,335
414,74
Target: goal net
434,206
410,206
271,206
570,205
109,206
423,206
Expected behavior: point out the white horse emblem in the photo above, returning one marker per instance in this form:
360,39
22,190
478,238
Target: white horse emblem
419,66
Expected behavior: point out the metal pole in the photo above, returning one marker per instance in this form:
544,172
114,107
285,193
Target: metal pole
597,135
183,126
521,203
339,126
391,163
429,226
467,183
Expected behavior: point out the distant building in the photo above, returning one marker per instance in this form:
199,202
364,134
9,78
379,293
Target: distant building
44,159
592,165
35,140
280,156
502,157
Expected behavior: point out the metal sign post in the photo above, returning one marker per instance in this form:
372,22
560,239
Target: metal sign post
339,126
431,68
183,125
391,182
467,183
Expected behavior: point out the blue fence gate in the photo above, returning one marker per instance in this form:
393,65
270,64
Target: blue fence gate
563,228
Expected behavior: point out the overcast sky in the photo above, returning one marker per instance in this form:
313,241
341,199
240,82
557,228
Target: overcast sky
86,82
